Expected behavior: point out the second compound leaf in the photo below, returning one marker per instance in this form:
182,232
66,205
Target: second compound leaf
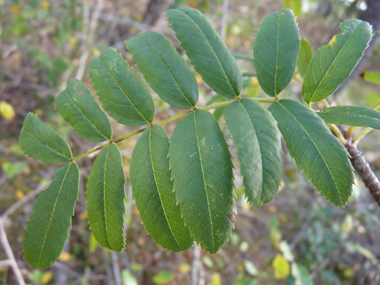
152,188
48,226
258,144
105,199
317,152
203,179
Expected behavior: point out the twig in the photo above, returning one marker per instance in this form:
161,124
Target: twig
223,26
116,268
361,135
197,268
9,253
124,21
364,170
89,41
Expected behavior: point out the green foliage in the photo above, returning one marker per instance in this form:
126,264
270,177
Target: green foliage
122,92
203,179
352,116
40,141
334,62
372,76
295,5
105,199
164,69
258,143
78,107
316,151
206,51
152,188
304,57
183,188
275,52
48,226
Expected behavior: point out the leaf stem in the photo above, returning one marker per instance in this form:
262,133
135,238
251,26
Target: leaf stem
180,116
337,133
361,135
376,106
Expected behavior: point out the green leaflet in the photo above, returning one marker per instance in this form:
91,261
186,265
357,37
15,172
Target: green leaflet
304,57
352,116
258,143
78,107
152,189
372,76
40,141
317,152
276,50
206,51
334,62
123,94
203,179
105,199
164,69
48,226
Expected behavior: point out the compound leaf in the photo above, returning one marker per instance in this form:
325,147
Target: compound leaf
48,226
203,179
372,76
40,141
304,57
206,51
276,50
164,69
122,92
105,199
152,188
334,62
352,116
317,152
78,107
258,143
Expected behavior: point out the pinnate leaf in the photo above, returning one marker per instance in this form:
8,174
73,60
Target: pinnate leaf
334,62
276,50
40,141
258,143
105,199
352,116
122,92
203,179
206,51
304,57
317,152
78,107
152,188
164,69
48,226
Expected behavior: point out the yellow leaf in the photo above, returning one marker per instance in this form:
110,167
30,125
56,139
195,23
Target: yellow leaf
15,9
255,81
184,267
19,194
199,79
216,279
83,216
281,267
46,278
6,110
45,5
73,41
65,256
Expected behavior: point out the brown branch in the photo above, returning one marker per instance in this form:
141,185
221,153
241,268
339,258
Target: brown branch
364,170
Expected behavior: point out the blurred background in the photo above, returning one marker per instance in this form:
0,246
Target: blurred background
299,238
